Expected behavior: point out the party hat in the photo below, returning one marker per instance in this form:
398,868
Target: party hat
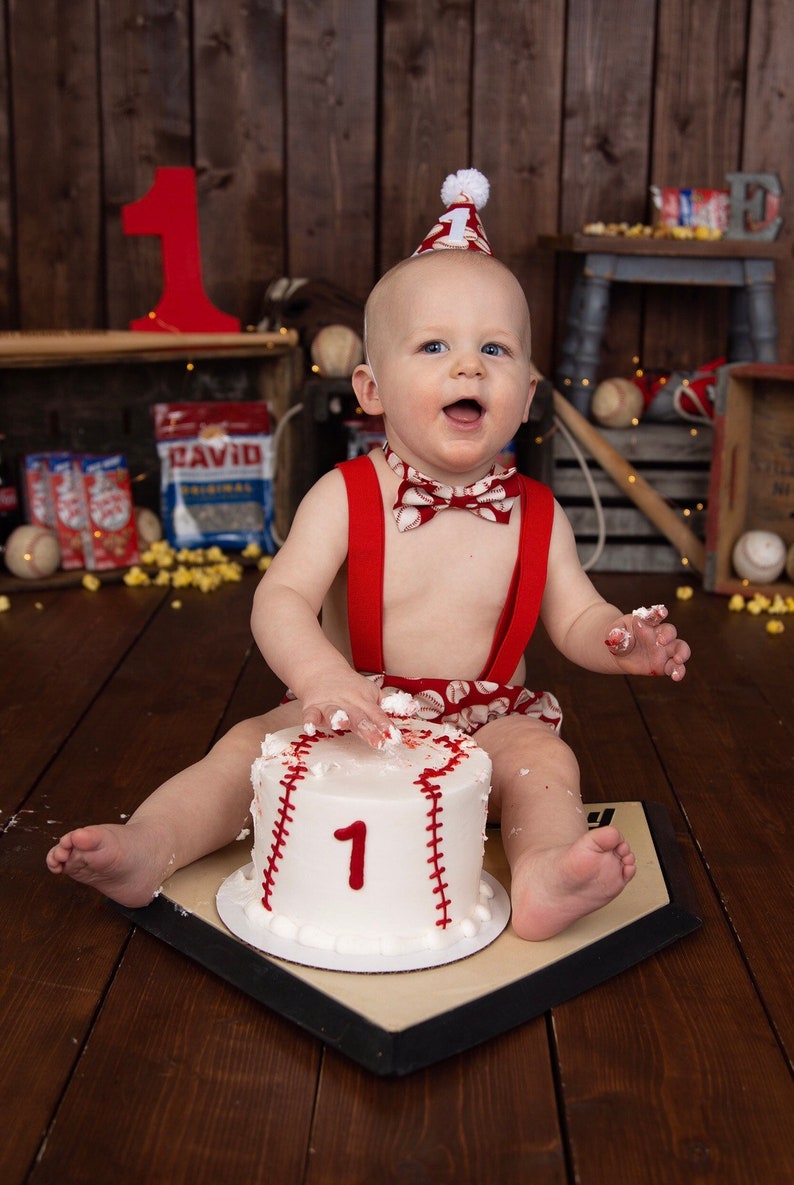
463,193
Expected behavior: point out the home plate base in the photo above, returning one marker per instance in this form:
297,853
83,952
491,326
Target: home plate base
394,1024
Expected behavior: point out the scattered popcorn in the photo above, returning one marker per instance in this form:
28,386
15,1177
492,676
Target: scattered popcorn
264,563
640,230
5,604
758,604
91,582
38,605
159,555
775,606
176,604
251,552
136,577
684,592
181,577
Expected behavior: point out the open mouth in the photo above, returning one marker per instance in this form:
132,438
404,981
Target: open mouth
465,411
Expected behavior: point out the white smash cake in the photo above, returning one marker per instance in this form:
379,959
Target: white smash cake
365,852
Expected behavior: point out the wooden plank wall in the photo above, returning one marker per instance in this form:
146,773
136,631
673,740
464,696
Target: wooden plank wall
321,132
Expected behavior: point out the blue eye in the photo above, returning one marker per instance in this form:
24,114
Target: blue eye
493,349
433,348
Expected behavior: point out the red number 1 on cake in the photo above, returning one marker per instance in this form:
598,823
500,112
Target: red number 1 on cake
357,833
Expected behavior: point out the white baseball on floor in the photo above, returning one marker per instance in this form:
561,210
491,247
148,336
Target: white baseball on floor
337,351
32,553
617,403
759,555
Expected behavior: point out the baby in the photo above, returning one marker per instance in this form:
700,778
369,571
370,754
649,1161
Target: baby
438,580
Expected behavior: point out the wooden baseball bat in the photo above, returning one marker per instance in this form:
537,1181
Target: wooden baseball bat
642,494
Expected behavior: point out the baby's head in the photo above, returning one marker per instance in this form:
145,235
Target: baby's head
448,343
444,276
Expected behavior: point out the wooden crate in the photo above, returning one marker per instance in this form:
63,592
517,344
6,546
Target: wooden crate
752,479
674,458
93,392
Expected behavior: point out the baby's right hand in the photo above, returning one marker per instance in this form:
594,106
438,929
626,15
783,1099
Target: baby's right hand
350,703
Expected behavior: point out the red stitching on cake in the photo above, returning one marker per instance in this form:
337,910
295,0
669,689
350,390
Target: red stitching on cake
284,815
432,791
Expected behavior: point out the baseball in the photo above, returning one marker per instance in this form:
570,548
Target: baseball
148,526
336,351
617,403
759,556
32,553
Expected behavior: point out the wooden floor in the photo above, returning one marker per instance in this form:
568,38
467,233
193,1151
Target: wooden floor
125,1061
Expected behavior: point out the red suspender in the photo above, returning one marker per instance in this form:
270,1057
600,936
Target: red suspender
365,563
522,606
365,554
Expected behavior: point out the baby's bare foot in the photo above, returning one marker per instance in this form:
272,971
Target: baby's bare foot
118,860
556,886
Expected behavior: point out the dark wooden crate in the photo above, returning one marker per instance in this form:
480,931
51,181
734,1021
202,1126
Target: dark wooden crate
752,478
94,392
674,458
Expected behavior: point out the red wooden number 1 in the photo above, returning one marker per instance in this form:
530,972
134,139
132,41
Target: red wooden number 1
357,832
170,210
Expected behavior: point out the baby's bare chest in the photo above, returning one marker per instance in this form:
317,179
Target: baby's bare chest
462,573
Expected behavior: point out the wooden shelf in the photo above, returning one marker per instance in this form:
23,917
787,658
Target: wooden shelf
581,243
78,348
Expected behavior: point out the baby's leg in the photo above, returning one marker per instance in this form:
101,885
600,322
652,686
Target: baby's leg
560,870
195,812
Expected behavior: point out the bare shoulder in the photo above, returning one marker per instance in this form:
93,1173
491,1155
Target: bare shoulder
316,546
324,507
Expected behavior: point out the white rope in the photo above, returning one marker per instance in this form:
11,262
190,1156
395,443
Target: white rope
279,432
597,506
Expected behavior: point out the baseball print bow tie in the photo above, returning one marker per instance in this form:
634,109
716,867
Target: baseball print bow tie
420,497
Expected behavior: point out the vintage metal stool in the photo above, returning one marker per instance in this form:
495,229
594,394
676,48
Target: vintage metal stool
747,267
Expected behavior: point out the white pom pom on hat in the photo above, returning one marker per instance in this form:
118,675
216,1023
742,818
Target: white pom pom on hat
460,229
466,183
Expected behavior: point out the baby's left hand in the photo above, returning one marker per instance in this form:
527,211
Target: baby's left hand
645,643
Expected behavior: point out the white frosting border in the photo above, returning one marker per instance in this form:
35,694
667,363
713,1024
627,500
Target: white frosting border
241,889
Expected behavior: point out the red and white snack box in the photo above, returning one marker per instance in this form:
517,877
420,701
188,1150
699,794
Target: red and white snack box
37,491
68,501
110,537
693,207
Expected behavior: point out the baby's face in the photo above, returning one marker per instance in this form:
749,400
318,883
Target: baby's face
449,347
